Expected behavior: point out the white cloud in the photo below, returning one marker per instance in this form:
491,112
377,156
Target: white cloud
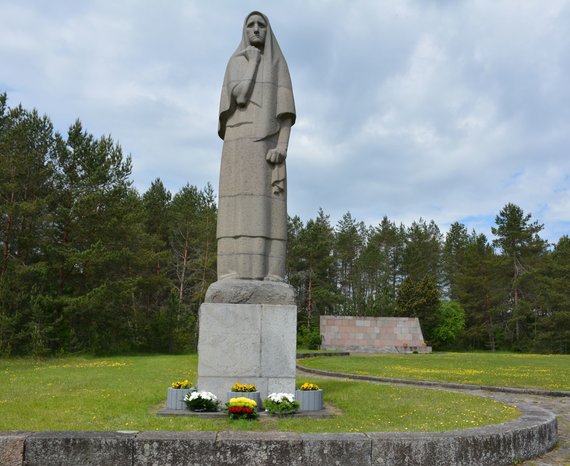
433,109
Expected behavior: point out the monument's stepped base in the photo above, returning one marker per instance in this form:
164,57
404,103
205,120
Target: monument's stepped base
247,343
238,291
532,435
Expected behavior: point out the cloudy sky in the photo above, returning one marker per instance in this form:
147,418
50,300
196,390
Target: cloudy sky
440,109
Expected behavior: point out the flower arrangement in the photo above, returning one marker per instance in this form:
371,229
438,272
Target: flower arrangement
243,388
201,401
181,384
281,403
310,397
307,386
242,408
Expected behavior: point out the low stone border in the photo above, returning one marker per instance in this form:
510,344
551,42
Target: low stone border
533,434
323,413
318,355
12,447
429,383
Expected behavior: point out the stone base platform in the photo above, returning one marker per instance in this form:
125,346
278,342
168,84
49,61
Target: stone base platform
239,291
321,414
247,343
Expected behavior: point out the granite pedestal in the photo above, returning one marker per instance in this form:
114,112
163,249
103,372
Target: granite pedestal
247,343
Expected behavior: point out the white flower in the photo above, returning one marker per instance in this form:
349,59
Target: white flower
280,397
202,395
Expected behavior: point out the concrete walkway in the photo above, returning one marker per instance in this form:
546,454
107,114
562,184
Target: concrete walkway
559,405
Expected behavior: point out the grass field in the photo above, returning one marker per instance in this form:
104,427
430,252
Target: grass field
549,372
124,393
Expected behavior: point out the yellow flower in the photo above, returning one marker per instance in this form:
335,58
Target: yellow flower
240,387
242,401
309,386
181,384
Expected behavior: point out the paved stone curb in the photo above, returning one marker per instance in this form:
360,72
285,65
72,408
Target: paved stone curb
318,355
429,383
12,447
529,436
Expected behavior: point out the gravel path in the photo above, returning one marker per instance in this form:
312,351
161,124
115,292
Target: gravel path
560,405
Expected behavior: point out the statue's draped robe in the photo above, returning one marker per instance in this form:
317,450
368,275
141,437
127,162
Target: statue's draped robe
252,191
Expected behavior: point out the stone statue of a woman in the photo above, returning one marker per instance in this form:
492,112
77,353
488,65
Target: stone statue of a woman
256,113
248,321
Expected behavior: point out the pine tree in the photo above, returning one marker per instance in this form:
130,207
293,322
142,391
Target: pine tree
480,294
456,242
522,248
381,266
350,237
155,287
193,255
156,202
422,251
26,142
420,299
96,255
315,274
553,326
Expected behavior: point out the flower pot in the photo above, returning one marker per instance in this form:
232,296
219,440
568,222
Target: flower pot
311,400
175,398
255,396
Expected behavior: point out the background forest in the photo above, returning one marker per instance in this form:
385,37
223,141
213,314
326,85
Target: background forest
88,264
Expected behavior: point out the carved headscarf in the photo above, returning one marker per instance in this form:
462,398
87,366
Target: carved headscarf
272,88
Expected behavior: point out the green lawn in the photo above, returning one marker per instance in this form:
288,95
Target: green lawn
124,393
550,372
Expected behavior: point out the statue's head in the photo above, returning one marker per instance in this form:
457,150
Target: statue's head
256,29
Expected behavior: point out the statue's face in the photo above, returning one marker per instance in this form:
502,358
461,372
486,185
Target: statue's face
256,30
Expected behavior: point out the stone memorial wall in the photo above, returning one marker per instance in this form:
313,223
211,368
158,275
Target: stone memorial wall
372,334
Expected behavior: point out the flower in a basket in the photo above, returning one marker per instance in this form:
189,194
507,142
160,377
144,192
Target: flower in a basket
281,403
181,384
243,388
201,401
242,408
309,386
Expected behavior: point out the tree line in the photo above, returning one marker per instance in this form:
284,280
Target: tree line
469,292
88,264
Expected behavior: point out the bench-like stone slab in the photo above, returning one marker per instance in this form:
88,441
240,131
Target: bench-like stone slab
174,448
12,447
78,448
